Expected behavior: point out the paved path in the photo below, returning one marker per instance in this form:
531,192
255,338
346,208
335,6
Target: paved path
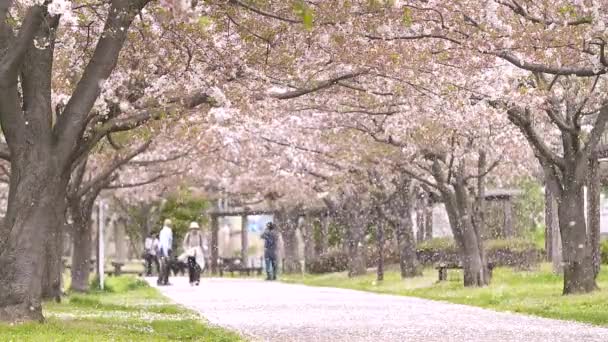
271,311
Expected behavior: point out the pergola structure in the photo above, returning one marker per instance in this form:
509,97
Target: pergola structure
216,214
506,197
243,212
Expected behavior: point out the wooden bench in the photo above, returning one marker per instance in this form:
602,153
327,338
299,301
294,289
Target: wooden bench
117,270
233,265
442,269
68,265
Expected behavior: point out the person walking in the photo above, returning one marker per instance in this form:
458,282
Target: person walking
164,252
271,239
194,245
150,247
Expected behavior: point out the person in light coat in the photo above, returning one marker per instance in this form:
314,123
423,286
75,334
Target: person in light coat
165,247
195,247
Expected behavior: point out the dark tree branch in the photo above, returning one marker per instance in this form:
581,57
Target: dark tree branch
487,170
413,37
9,64
597,131
102,178
72,122
264,13
559,121
317,87
140,118
5,153
141,183
521,11
520,117
553,70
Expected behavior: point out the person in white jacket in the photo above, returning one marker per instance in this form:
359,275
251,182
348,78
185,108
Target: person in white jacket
195,245
164,252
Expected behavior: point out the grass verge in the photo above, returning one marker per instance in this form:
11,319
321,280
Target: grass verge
129,310
531,292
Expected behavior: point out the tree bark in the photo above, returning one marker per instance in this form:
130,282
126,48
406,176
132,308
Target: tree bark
82,248
467,236
579,274
404,226
428,220
380,244
593,213
309,241
288,228
35,198
420,222
324,234
215,228
52,278
356,250
553,239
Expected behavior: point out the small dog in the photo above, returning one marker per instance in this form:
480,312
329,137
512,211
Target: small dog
178,267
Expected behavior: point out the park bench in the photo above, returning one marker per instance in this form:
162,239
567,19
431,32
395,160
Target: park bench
68,265
443,267
234,265
117,270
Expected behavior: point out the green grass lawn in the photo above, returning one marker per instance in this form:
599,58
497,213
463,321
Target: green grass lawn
536,293
129,310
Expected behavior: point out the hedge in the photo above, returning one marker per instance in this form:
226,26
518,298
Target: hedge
502,252
334,261
604,251
517,253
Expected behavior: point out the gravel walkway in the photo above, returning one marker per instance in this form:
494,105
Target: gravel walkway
271,311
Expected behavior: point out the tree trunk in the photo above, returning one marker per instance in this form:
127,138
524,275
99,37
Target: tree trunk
467,239
475,269
82,250
406,241
420,223
324,236
355,249
579,274
553,240
36,197
380,243
593,213
551,221
428,220
291,261
215,255
52,278
309,241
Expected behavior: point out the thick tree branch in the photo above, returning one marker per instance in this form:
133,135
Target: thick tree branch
553,70
521,11
317,87
264,13
141,117
9,64
102,178
520,117
72,123
141,183
597,131
5,153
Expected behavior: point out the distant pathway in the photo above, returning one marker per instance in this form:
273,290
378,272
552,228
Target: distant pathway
271,311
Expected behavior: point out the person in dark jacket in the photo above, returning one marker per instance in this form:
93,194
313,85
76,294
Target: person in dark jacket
271,240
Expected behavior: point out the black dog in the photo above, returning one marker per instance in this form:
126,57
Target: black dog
178,267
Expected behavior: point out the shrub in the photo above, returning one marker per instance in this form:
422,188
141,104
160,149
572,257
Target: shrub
334,261
120,284
604,251
513,252
502,252
437,250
